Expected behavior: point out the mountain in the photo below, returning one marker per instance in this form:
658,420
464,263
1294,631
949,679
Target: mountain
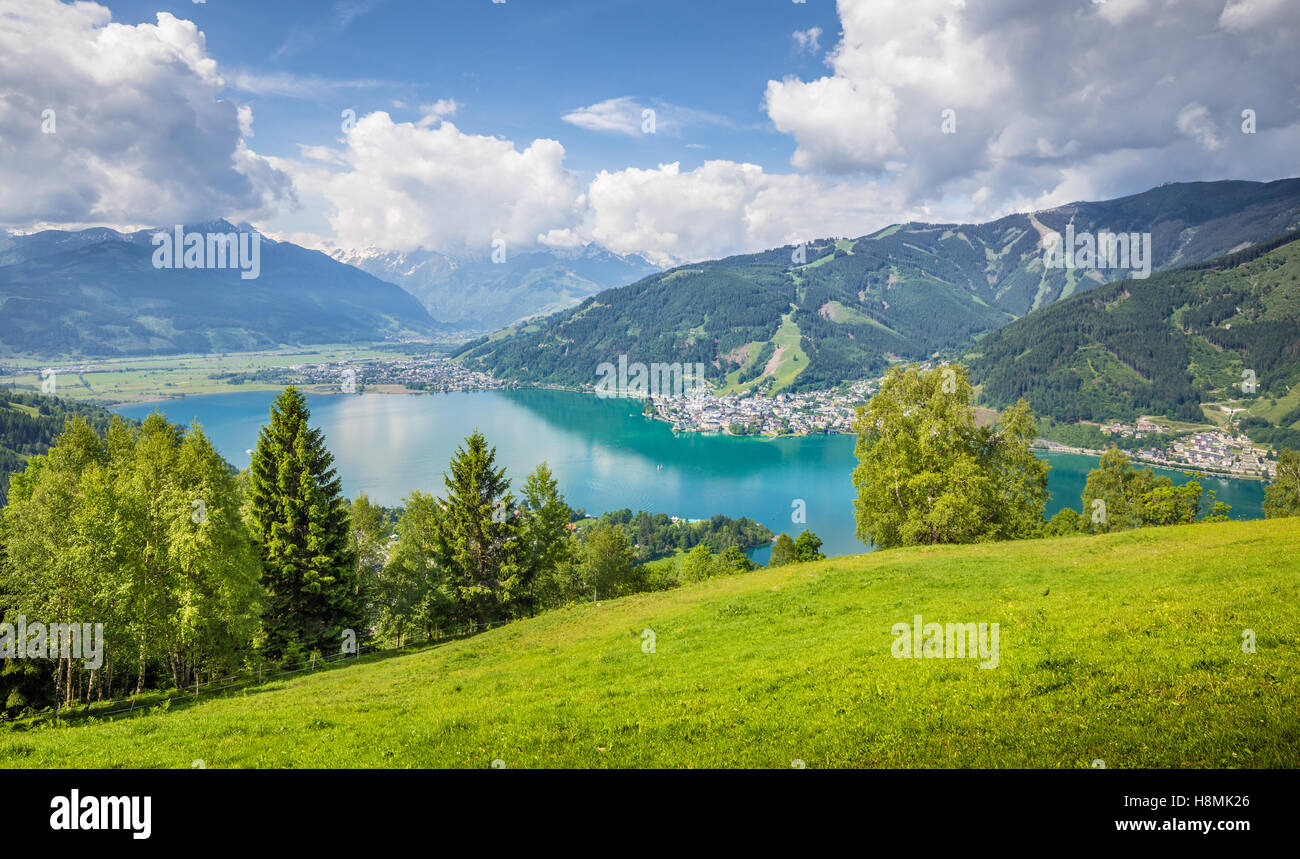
803,318
96,293
479,295
1162,346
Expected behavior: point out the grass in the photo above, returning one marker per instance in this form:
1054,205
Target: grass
1125,648
793,359
1262,407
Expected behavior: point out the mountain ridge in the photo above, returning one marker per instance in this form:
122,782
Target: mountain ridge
845,309
97,292
477,294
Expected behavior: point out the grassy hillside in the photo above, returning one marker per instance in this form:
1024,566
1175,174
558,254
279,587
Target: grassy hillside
1124,648
1163,345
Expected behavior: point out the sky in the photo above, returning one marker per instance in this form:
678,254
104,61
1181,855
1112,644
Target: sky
679,130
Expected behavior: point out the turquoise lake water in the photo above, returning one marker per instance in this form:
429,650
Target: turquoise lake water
605,455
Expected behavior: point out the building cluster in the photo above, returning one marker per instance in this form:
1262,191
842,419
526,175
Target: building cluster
1214,451
1141,429
811,413
418,372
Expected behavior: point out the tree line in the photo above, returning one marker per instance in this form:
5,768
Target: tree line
928,473
197,571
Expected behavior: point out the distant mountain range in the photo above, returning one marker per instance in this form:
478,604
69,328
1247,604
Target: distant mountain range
479,295
1226,331
802,318
97,293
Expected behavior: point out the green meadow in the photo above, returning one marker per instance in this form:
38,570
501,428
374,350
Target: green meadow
153,377
1123,648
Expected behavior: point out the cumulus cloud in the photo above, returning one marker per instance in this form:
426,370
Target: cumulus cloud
1047,96
721,208
402,185
124,125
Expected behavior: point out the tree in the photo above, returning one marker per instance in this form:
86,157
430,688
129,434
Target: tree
476,535
733,560
562,583
214,593
369,530
697,564
929,474
543,534
410,596
607,562
140,531
808,547
1172,505
1114,492
299,523
1282,496
783,552
1067,521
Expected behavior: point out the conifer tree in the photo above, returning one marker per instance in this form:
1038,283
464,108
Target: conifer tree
299,523
544,532
477,534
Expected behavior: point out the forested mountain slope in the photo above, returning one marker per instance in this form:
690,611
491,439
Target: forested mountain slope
1161,346
809,317
97,293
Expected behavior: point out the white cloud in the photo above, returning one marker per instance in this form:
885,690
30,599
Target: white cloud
1044,92
614,116
403,186
724,207
808,40
1244,15
141,132
625,115
297,86
1194,121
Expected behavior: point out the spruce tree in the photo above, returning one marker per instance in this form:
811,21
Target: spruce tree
544,533
298,519
477,535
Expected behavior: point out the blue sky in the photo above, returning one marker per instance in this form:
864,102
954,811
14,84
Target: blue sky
516,68
777,121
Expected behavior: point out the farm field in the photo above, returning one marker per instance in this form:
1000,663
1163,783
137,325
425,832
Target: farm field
148,378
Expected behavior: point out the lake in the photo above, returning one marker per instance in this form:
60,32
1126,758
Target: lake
605,455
